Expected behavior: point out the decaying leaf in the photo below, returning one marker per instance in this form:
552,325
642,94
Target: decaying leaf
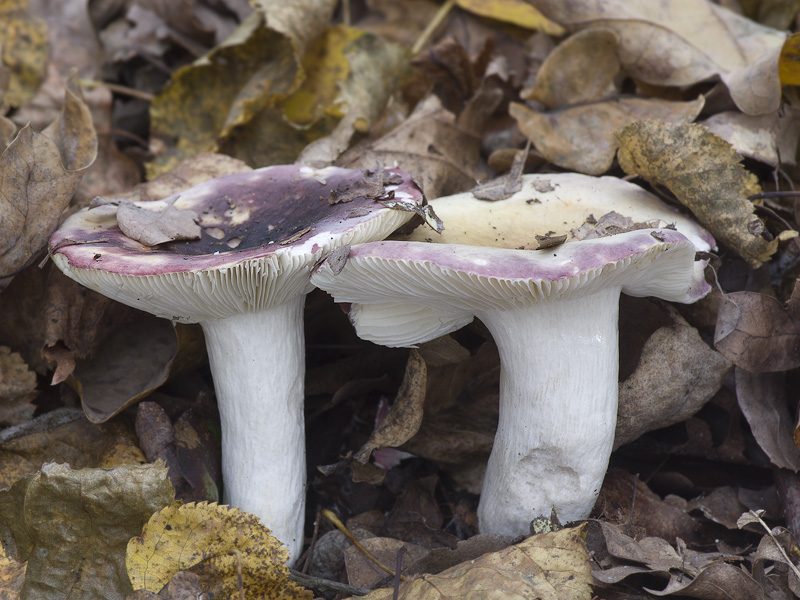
706,175
23,39
788,68
405,416
757,333
217,543
73,526
677,374
771,139
69,440
39,172
363,572
581,138
549,565
683,42
762,398
17,388
132,362
233,82
581,69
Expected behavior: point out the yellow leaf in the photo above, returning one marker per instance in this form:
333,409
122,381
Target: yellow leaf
549,566
325,65
706,175
217,543
789,61
518,12
24,43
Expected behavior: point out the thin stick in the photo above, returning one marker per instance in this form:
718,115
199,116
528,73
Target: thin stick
437,20
340,526
119,89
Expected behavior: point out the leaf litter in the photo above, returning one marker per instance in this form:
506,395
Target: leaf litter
698,443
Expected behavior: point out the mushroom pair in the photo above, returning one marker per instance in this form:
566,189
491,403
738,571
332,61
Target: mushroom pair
244,280
552,312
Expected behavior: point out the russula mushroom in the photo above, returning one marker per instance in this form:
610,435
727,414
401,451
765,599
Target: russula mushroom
553,314
554,203
245,280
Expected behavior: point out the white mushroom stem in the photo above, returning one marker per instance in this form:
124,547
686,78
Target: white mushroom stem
558,408
257,361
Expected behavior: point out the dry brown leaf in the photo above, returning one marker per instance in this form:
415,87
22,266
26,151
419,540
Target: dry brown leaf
547,566
17,388
405,415
131,363
581,138
152,225
771,139
683,42
706,175
39,172
581,69
757,333
677,374
441,151
762,398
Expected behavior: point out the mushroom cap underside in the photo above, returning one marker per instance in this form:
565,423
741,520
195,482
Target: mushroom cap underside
642,263
314,211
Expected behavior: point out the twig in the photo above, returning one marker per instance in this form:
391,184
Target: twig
319,584
398,566
340,526
437,20
119,89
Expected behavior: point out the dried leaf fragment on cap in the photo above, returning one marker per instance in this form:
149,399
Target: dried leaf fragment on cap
152,225
706,175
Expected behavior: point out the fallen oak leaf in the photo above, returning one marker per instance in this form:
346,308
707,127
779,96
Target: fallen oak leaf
706,176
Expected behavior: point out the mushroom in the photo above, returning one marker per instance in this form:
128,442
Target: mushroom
245,280
553,314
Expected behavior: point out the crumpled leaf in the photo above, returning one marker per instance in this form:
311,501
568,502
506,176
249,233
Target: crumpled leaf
581,138
517,12
405,415
550,565
151,227
23,39
706,175
73,526
234,82
350,76
762,398
757,333
677,374
66,438
683,42
39,172
17,388
440,152
217,543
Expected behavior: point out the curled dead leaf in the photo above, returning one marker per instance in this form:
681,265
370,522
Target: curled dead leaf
706,175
